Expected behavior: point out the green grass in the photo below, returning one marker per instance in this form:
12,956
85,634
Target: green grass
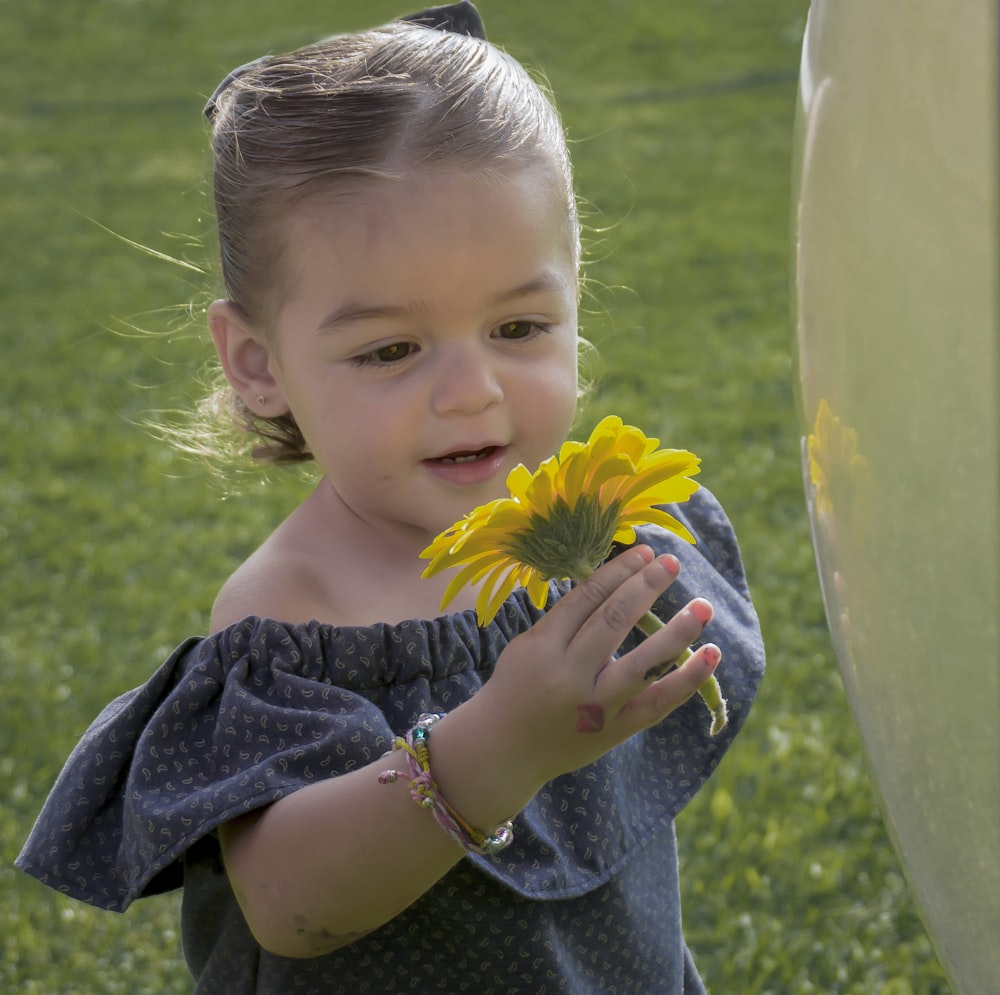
113,546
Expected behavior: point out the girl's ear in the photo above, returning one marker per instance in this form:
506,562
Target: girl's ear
246,360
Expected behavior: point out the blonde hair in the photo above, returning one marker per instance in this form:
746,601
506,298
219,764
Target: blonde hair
376,103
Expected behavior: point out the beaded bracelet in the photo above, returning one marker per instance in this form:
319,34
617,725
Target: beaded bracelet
424,791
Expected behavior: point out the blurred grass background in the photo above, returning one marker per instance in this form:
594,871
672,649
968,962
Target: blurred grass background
112,546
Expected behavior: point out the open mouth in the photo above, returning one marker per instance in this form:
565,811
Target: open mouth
467,457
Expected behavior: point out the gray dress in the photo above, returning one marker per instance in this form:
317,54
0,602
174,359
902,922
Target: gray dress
585,900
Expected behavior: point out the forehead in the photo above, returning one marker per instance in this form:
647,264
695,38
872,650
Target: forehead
537,188
402,227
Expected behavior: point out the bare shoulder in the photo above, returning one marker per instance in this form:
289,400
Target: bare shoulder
321,565
271,583
269,587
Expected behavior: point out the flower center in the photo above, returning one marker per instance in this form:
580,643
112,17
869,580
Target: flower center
570,542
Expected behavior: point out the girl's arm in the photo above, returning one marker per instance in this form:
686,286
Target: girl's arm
335,860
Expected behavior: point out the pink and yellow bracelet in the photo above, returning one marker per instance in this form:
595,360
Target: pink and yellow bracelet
425,792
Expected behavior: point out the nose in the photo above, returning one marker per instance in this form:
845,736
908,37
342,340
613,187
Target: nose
466,381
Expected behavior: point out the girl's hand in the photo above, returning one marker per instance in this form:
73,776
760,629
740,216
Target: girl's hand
560,698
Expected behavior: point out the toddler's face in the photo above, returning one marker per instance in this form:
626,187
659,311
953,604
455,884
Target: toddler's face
426,343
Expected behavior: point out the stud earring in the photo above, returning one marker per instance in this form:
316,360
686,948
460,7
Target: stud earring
261,400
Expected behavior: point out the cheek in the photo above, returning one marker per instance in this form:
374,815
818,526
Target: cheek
570,380
553,400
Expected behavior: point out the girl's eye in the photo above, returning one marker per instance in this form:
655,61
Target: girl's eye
386,355
518,329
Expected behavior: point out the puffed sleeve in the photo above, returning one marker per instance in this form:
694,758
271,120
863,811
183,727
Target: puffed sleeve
581,828
712,568
229,724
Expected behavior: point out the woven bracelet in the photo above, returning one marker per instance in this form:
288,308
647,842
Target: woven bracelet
424,791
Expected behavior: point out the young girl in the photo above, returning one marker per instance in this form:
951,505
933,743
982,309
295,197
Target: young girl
400,248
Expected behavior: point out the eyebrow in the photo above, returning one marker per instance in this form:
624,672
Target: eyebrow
354,311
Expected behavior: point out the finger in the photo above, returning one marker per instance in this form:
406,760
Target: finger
661,651
611,620
668,693
657,655
573,611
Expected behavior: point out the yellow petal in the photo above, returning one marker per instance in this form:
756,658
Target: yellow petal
568,449
538,590
666,477
457,535
618,465
608,425
487,605
518,481
635,443
441,543
574,473
665,492
508,518
656,516
539,496
471,572
679,460
625,534
451,554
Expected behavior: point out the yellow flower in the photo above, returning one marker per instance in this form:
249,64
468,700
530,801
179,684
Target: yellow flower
561,521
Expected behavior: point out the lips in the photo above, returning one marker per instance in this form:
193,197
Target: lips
467,455
469,465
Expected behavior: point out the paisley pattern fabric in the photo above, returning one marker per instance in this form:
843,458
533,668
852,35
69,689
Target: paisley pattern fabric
585,899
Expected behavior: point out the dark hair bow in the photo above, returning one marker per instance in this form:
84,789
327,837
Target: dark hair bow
459,18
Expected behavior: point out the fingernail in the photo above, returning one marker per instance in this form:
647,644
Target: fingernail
713,655
701,610
672,564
